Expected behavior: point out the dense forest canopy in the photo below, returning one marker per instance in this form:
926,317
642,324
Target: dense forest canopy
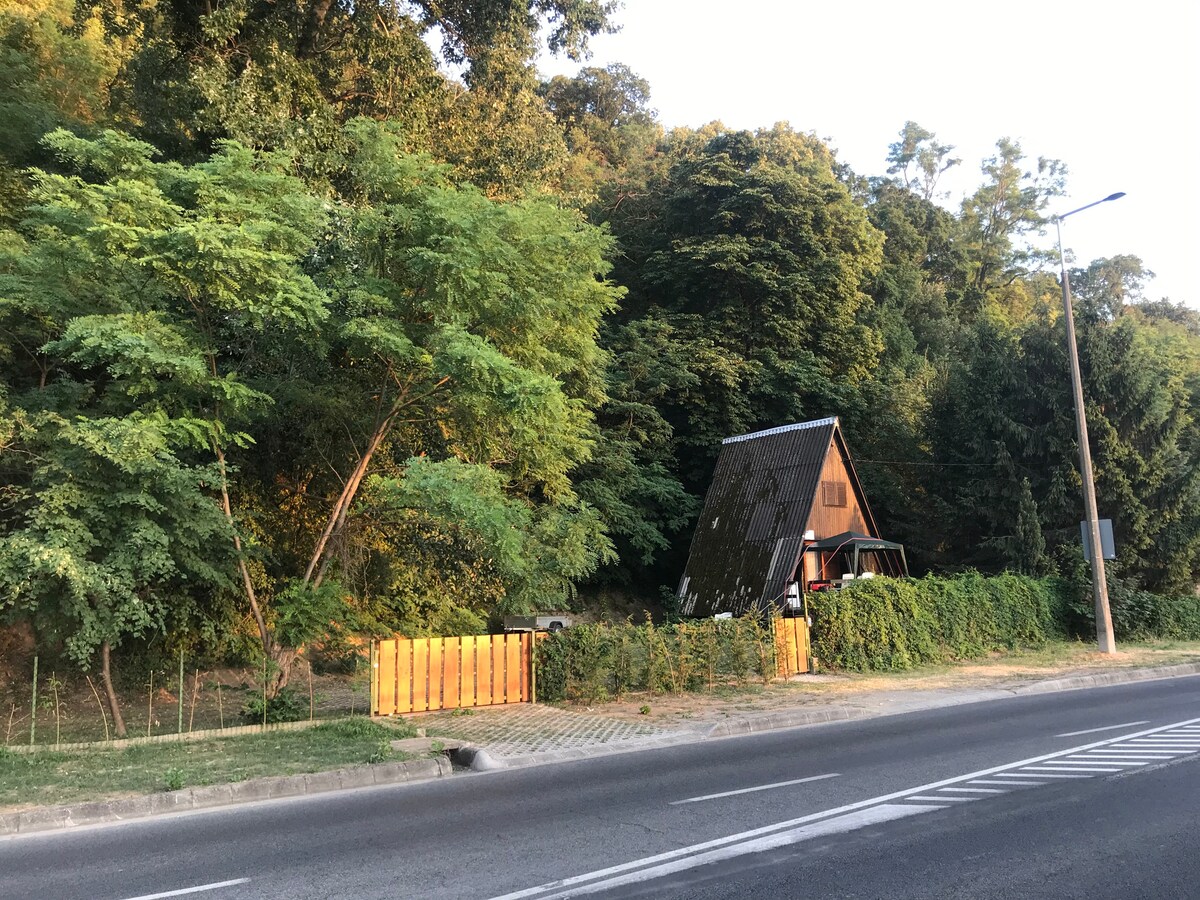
301,336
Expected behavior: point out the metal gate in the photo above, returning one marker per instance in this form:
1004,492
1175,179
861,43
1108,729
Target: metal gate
419,674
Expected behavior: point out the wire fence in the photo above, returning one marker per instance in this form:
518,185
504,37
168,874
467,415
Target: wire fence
44,706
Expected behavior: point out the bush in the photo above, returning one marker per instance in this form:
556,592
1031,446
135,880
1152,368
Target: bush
589,663
285,706
890,624
1136,614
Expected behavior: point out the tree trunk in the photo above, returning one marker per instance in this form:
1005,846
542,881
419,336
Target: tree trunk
283,659
114,705
337,516
247,584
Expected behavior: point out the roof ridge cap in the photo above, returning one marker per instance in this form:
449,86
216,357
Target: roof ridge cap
781,429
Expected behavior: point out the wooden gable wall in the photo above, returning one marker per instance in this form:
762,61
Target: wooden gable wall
828,518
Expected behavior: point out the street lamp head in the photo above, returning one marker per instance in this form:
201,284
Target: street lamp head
1058,219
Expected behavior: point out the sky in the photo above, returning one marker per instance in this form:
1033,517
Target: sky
1111,89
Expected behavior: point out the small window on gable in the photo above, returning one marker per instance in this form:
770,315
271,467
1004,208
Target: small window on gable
833,493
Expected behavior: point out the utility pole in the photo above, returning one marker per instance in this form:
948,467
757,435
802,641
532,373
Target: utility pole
1104,629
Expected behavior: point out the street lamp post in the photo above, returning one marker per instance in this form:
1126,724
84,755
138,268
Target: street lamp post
1104,630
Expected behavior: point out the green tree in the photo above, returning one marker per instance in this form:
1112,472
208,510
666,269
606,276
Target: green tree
463,332
132,289
1007,208
919,160
605,116
754,254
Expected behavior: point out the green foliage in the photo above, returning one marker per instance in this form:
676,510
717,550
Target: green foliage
1136,614
362,727
752,254
304,612
889,624
588,663
174,778
286,706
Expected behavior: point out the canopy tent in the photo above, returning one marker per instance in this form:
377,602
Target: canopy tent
854,545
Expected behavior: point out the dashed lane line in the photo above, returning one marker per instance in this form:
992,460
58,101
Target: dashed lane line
761,787
200,888
1105,728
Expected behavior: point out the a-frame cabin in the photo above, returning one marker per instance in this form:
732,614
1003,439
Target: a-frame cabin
785,513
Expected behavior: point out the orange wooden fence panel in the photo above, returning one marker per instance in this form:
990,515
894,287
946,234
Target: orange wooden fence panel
451,685
512,670
791,646
414,675
469,697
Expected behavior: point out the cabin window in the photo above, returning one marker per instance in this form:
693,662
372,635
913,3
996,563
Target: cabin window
833,493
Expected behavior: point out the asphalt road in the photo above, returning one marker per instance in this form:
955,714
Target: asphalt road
1085,793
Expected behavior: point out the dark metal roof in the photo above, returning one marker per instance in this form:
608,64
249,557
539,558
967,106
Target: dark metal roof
748,537
851,539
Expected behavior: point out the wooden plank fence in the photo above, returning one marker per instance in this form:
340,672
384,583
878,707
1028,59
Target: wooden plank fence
791,647
420,674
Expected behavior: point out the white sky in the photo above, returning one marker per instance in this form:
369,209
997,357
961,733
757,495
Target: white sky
1112,89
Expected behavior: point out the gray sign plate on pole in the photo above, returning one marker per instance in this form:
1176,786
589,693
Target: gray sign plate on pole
1106,540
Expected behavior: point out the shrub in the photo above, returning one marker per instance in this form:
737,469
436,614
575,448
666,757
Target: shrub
285,706
590,662
889,624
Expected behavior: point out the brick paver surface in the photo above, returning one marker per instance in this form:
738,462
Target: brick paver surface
520,729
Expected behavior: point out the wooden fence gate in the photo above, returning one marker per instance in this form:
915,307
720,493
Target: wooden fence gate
792,653
419,674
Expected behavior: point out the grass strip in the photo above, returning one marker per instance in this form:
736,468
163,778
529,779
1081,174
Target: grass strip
50,777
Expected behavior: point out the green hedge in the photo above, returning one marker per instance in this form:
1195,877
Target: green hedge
892,624
595,662
1136,614
876,624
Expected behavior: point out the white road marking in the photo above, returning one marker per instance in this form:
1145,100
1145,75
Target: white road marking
1148,754
1065,769
975,790
751,790
191,890
989,781
1168,741
1084,760
830,821
942,799
1073,765
1105,728
1125,754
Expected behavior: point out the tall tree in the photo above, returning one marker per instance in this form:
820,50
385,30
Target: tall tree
919,160
463,336
1007,208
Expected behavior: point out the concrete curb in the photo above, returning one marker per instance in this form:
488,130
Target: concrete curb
1121,676
256,789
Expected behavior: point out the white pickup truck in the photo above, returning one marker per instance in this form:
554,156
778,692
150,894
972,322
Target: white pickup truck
553,622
